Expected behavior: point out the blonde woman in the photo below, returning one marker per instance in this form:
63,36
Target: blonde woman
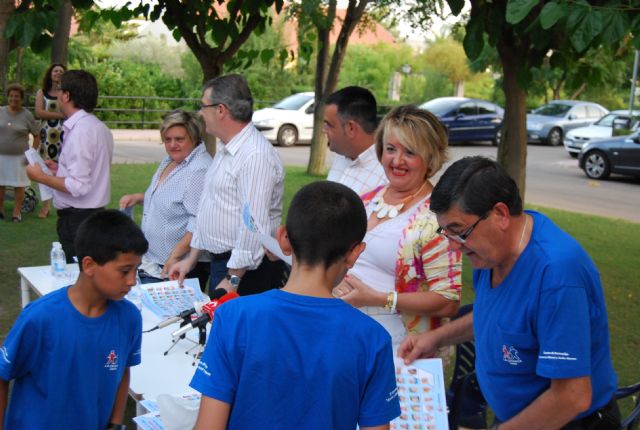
408,278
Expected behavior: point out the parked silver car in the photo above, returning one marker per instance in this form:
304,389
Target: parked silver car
601,129
549,123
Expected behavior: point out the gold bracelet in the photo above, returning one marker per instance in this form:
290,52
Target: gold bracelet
389,305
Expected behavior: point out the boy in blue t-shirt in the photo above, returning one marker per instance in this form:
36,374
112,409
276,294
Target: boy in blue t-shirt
298,357
69,352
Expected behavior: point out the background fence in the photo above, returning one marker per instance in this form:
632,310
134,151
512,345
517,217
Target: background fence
141,112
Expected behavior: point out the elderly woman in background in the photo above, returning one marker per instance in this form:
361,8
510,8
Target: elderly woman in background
408,277
171,201
15,125
51,126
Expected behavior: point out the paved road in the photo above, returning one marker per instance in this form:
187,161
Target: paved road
553,178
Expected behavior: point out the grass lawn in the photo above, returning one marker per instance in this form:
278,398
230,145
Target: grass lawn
614,245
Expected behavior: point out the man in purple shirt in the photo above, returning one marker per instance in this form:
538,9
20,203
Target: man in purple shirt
82,179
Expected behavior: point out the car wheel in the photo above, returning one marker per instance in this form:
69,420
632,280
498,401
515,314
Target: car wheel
555,137
596,165
498,138
287,135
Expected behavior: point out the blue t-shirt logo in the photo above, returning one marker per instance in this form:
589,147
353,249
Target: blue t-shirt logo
510,355
112,361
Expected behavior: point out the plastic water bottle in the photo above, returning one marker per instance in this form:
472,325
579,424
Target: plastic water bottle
58,260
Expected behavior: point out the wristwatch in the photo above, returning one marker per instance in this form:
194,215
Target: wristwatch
114,426
234,280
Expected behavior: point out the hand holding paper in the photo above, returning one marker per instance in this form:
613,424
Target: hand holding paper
34,159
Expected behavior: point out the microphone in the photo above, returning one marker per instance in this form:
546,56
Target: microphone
182,315
217,293
208,311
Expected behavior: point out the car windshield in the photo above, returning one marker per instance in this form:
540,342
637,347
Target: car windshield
293,102
552,109
439,106
607,120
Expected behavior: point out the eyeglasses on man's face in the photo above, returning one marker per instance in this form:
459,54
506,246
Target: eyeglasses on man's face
202,107
461,237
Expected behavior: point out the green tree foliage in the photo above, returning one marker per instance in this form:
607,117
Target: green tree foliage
214,31
371,67
447,56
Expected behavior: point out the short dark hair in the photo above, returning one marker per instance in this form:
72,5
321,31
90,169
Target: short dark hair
82,88
325,220
105,234
357,104
475,184
233,92
47,82
15,87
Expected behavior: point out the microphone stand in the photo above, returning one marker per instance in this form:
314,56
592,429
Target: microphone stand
174,341
199,347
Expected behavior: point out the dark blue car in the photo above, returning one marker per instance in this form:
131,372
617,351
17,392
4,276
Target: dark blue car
600,158
468,120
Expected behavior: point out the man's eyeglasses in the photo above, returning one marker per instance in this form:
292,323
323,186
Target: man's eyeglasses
461,237
211,105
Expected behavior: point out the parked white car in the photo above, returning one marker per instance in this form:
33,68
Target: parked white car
602,129
289,121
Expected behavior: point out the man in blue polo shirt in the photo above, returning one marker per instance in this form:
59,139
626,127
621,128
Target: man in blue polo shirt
539,319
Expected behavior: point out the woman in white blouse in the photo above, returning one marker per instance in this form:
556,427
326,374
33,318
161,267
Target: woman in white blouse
171,201
408,277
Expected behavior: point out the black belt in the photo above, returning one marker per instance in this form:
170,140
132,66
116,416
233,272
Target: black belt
71,211
221,256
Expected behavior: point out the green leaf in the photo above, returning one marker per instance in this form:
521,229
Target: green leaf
176,35
156,12
41,42
517,10
27,35
218,31
266,55
551,13
615,26
15,21
587,29
474,39
456,6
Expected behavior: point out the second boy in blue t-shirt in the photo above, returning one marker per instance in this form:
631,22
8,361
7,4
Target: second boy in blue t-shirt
297,357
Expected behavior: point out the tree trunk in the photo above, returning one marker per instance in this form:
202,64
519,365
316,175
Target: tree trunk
327,85
458,89
579,91
60,44
318,152
6,9
512,152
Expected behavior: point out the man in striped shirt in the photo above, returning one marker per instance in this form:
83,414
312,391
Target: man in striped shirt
245,172
350,123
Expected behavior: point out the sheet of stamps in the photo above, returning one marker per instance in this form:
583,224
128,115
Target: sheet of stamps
423,404
167,299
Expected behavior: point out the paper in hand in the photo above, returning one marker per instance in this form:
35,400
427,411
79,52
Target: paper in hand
270,243
34,158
